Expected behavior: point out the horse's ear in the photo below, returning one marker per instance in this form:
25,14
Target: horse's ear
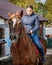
21,13
9,14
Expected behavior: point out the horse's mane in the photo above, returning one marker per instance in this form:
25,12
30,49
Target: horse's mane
24,33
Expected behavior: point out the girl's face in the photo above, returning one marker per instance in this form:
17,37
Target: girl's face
29,11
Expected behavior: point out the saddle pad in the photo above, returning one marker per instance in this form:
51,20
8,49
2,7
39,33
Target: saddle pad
36,50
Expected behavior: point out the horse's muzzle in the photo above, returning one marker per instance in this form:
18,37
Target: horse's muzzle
12,36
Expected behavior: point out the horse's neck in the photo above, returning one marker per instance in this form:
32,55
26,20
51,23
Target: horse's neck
24,34
23,30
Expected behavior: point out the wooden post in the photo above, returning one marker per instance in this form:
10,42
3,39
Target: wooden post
41,29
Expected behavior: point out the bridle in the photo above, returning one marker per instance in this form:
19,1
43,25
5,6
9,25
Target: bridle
15,37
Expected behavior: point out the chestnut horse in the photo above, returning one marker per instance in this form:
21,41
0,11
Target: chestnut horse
23,49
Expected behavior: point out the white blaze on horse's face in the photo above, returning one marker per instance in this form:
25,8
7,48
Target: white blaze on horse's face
14,22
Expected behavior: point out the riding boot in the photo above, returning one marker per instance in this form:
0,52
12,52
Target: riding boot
42,56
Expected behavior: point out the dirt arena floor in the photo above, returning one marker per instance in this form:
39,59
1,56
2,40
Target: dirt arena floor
48,57
48,60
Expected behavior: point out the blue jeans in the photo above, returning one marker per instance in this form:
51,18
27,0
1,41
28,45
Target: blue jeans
36,41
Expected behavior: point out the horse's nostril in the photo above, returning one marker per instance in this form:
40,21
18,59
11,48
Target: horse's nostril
14,37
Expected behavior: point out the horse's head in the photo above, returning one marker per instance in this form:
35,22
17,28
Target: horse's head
15,26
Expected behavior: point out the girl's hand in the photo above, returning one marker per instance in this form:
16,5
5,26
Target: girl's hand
31,31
